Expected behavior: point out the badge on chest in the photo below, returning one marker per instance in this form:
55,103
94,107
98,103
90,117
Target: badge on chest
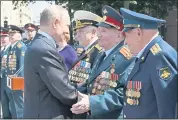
12,61
105,81
133,92
80,72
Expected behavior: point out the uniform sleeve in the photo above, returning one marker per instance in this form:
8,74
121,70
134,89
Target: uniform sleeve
109,101
52,71
165,85
21,59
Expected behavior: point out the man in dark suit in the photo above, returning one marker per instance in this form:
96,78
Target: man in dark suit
48,93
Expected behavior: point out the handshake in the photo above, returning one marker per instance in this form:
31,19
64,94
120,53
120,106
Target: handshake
83,104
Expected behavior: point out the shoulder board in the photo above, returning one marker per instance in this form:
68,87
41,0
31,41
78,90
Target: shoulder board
19,45
98,47
155,49
125,52
89,50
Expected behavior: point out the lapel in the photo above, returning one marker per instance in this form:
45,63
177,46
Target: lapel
138,61
104,64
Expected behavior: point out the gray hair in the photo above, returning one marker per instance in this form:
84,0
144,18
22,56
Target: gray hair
52,12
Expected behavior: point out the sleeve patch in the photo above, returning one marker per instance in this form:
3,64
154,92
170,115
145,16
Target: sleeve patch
164,73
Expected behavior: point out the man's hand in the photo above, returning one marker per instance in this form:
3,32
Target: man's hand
83,104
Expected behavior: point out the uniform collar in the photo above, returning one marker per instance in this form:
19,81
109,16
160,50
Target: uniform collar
107,52
7,46
14,44
47,36
90,44
141,52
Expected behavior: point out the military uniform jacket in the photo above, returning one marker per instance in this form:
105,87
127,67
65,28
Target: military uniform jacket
152,87
15,59
87,58
98,105
158,93
4,66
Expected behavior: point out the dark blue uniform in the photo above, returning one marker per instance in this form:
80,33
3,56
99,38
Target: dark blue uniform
112,65
15,61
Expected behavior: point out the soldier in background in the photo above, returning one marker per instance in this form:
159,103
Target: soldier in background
15,64
31,30
5,42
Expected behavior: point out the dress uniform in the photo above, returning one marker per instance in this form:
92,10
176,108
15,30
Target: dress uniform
109,68
30,28
4,98
15,63
152,88
81,69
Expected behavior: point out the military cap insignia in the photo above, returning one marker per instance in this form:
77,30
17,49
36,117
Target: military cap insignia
155,49
19,45
126,52
164,73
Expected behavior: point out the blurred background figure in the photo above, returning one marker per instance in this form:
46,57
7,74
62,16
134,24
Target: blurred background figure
31,30
67,51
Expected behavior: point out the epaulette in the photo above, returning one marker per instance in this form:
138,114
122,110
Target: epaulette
19,45
98,47
155,49
125,52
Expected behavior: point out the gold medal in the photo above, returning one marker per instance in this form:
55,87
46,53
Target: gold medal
129,93
94,90
137,102
129,101
110,83
112,71
99,87
138,94
114,84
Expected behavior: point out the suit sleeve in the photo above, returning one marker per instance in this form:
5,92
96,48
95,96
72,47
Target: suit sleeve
21,59
55,76
166,89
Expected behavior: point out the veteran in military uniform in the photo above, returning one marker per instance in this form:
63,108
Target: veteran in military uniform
152,87
31,30
85,29
107,70
4,53
15,63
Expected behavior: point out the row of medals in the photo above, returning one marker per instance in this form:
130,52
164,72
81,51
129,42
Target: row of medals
12,62
133,92
105,81
80,72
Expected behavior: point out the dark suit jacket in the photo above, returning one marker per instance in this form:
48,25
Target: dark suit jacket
48,93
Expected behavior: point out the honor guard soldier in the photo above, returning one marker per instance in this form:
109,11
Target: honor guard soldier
6,45
86,33
107,70
15,63
152,87
31,32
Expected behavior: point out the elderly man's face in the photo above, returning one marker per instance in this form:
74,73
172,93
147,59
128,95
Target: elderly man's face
62,27
15,36
83,35
133,40
5,40
107,37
